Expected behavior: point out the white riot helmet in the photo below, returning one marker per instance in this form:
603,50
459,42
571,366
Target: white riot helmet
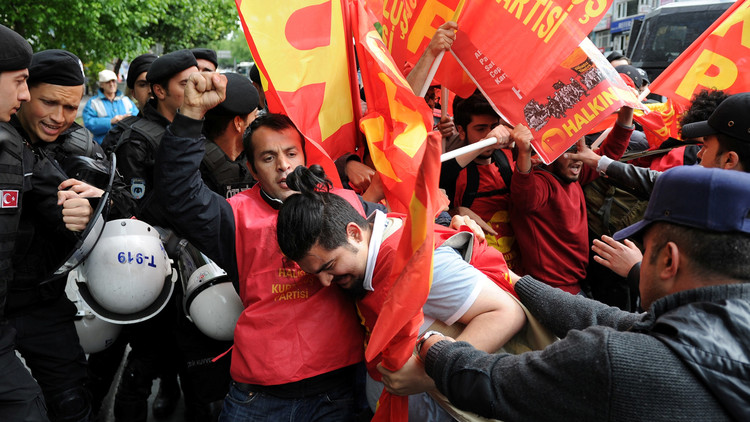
94,333
210,301
126,277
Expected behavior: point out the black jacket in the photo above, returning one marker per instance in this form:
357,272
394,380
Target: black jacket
688,358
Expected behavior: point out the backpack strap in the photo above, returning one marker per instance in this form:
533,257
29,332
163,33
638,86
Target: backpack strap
472,179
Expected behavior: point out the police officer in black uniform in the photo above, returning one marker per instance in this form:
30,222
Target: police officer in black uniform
152,342
20,396
224,167
54,209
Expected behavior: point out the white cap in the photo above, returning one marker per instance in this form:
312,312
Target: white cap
107,75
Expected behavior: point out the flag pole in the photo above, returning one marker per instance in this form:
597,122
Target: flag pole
439,58
467,149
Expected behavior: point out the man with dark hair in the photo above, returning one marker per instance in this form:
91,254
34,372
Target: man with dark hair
328,238
224,167
206,58
687,358
138,86
283,366
548,209
20,397
478,183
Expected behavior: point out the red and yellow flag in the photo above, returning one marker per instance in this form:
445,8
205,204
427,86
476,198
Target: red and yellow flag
408,162
718,59
301,49
660,123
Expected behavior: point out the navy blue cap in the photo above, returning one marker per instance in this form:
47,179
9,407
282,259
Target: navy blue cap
710,199
730,118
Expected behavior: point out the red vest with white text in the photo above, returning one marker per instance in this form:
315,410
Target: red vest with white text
292,327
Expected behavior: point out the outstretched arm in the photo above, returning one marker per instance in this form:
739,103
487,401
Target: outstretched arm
441,41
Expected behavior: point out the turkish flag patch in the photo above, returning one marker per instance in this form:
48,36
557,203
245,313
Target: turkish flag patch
10,199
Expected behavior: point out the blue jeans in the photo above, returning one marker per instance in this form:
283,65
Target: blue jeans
335,405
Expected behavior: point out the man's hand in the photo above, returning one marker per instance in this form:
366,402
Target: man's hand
118,118
469,218
76,210
443,38
503,136
616,256
203,92
521,133
374,192
410,379
446,126
83,189
585,154
359,174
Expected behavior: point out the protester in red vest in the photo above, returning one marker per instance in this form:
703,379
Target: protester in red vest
327,237
296,343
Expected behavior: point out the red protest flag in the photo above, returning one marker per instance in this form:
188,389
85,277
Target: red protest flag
718,59
408,162
308,70
582,90
535,36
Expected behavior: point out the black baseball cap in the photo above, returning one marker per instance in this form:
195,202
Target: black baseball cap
638,75
730,118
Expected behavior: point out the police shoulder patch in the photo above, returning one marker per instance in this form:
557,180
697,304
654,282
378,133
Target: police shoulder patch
137,187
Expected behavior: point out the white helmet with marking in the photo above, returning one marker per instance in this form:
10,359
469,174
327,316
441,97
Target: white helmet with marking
127,277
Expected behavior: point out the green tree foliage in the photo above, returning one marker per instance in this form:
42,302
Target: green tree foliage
100,31
237,45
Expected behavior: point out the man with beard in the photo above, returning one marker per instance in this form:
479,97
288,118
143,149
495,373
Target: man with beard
477,183
548,209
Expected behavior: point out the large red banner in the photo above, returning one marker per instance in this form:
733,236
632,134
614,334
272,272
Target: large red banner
579,92
528,39
718,59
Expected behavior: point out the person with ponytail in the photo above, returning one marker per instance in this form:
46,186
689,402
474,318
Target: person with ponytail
471,285
284,363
